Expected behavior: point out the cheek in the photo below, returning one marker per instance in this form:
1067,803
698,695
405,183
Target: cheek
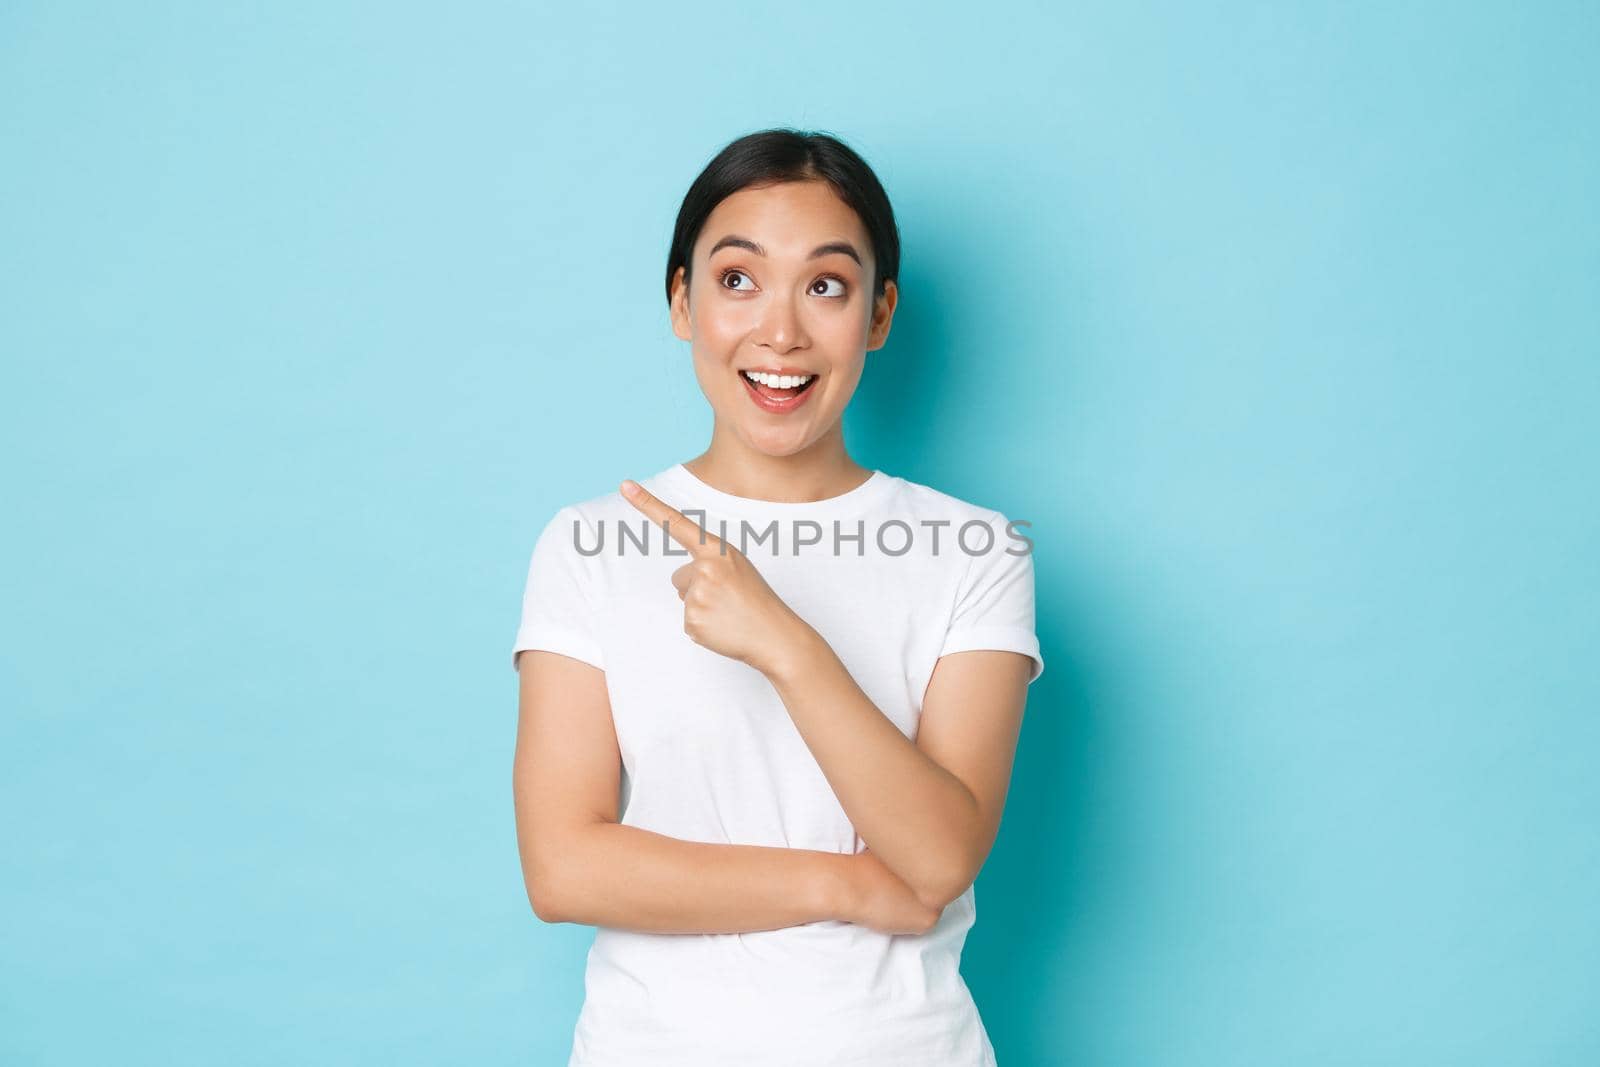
847,328
723,330
719,321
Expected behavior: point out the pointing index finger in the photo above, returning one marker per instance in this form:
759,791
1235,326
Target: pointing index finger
690,535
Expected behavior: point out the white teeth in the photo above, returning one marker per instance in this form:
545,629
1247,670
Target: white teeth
778,381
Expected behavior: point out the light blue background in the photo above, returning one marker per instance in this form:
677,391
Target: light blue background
1280,324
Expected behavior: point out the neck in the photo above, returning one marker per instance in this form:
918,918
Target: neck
821,470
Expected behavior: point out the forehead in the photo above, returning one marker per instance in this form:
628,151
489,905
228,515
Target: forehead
788,220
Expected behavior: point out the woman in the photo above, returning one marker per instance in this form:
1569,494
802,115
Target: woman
771,696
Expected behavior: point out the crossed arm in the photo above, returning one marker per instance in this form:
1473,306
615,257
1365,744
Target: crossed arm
928,809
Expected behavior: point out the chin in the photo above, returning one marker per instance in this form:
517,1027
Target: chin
775,444
776,449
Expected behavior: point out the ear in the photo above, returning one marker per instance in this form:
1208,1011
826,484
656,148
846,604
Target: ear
882,314
682,325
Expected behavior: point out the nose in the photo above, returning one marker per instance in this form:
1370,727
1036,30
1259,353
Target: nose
780,327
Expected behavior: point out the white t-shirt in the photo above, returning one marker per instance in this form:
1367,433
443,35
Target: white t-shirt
709,753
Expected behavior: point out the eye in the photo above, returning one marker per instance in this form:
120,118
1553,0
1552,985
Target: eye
830,278
722,279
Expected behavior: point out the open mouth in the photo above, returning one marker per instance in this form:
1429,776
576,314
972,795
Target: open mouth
777,394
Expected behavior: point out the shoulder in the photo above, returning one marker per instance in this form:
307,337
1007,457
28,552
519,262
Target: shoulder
607,509
580,527
988,537
926,502
593,511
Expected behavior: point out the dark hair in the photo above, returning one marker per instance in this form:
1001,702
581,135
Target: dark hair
768,157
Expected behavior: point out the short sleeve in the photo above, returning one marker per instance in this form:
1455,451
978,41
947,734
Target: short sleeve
558,609
994,606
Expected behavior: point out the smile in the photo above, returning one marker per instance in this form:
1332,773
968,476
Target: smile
778,394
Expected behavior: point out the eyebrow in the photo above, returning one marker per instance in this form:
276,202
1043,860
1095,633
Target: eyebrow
735,241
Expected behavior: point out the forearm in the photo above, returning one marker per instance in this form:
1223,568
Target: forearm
919,818
610,874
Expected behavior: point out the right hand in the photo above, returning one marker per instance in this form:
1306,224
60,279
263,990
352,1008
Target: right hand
881,900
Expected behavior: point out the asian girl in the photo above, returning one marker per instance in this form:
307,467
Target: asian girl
770,776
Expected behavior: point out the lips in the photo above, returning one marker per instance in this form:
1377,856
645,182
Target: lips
777,400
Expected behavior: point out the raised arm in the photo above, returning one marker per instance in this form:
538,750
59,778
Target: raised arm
580,865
